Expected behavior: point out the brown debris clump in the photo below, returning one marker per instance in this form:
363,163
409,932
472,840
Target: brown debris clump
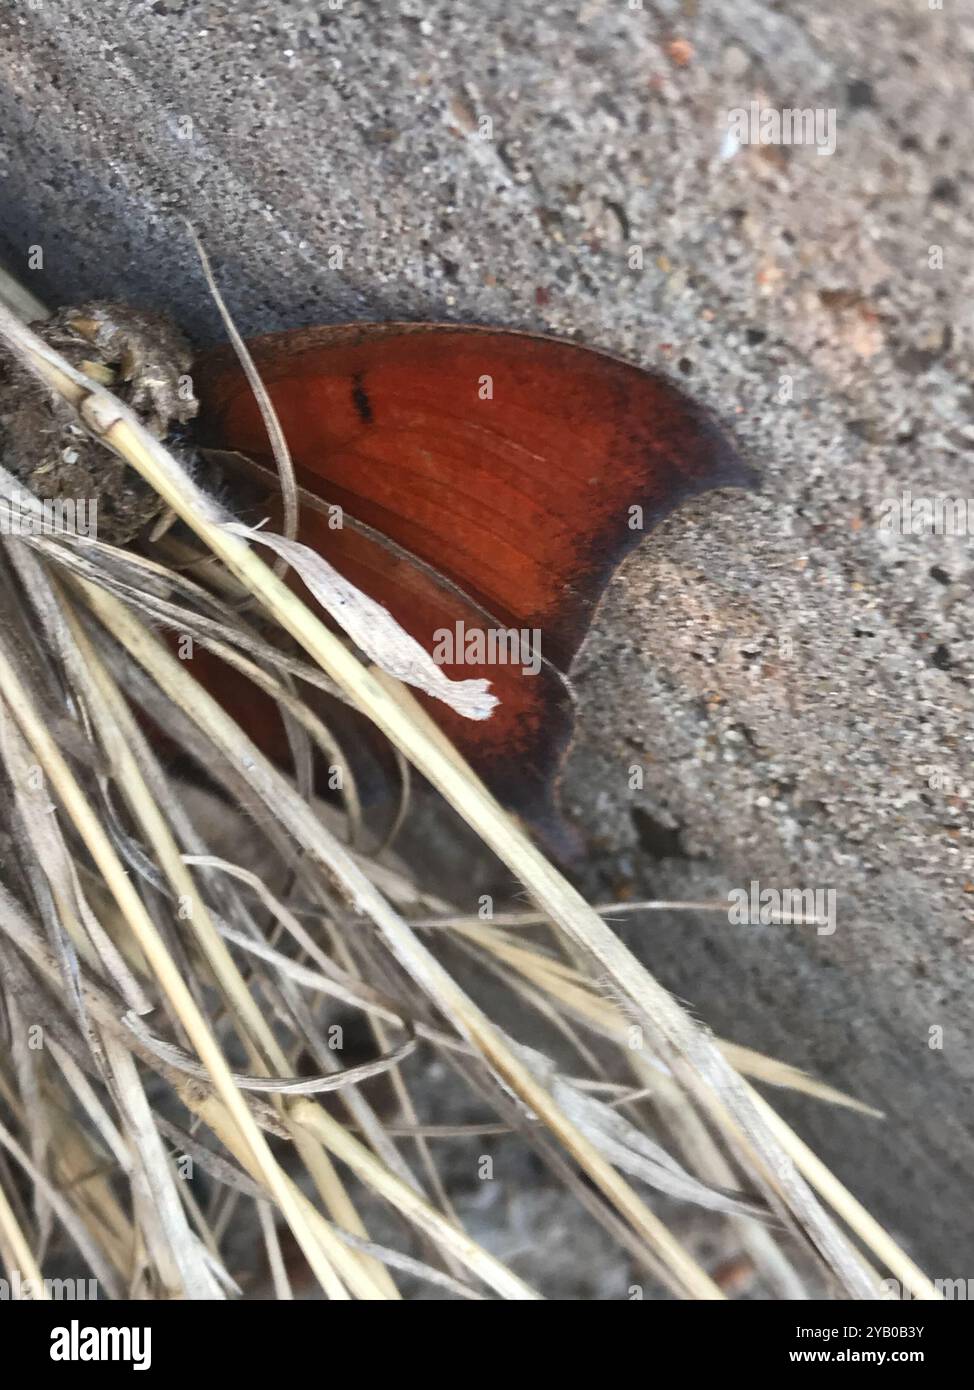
145,360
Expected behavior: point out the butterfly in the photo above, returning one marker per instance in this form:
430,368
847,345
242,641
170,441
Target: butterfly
487,484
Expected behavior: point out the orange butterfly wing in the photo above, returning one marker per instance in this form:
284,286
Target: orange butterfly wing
511,473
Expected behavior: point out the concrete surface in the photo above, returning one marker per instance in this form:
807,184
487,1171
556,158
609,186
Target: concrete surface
794,680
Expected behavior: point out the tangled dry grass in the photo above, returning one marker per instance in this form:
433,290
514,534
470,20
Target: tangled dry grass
173,1073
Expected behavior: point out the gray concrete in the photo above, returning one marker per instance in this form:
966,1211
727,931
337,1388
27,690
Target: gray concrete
787,673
